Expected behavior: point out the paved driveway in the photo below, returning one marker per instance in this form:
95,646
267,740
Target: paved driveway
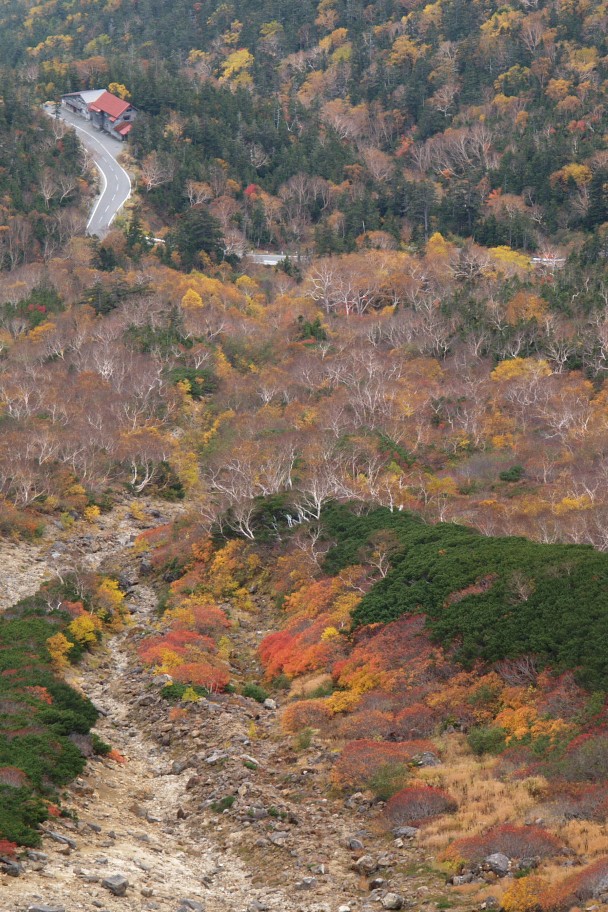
115,182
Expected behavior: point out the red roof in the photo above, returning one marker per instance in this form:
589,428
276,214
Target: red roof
124,129
110,105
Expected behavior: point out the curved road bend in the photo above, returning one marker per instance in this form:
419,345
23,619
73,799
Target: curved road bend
115,182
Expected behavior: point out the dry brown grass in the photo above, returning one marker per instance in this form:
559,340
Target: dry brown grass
483,800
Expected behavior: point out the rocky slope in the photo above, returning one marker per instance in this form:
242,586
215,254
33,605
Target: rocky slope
213,808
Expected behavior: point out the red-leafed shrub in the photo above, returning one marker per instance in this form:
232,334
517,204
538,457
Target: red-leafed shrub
300,648
561,697
12,776
512,841
578,888
371,724
586,759
40,693
417,721
307,714
579,801
360,761
210,620
7,848
204,674
418,803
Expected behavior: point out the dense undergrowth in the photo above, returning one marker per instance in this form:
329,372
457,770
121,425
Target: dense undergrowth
45,724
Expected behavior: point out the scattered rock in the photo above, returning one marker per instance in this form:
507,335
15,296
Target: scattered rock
354,844
279,838
40,907
459,879
33,855
193,904
307,883
116,884
178,766
392,901
427,758
497,863
10,867
269,703
405,832
365,865
59,837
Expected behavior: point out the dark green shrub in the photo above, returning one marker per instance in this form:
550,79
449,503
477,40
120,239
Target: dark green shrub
487,740
515,473
255,692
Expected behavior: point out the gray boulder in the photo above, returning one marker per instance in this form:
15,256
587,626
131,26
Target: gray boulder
116,884
392,901
497,863
40,907
365,865
405,832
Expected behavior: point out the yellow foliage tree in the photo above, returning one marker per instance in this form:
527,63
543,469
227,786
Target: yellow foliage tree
521,368
236,67
85,629
192,299
117,88
59,647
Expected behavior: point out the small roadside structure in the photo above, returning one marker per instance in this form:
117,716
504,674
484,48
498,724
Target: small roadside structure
107,112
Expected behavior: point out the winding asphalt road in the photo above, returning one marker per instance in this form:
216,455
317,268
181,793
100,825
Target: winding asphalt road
115,182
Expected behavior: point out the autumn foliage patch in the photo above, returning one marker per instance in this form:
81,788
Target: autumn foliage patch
581,886
512,841
361,760
418,803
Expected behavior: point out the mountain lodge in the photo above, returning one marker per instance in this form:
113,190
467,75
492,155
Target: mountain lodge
107,112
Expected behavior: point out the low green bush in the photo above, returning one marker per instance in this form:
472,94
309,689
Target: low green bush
487,740
38,714
255,692
487,597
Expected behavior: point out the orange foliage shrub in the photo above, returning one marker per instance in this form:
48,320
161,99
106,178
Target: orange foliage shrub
417,803
361,760
306,714
203,673
177,714
210,620
179,642
512,841
116,756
